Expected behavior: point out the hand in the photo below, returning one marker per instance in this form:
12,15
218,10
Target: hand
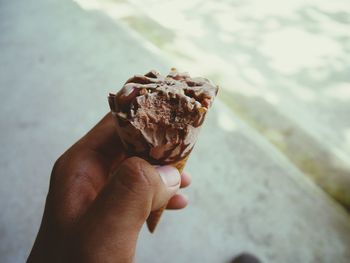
98,200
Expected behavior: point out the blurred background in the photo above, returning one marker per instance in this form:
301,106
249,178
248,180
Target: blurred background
272,165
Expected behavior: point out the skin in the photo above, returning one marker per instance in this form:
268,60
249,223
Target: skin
99,199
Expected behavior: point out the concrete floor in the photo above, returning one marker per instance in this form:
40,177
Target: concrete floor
58,64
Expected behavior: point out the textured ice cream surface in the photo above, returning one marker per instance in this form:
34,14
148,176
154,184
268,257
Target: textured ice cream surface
158,118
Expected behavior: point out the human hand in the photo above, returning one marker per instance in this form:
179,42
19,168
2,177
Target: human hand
98,200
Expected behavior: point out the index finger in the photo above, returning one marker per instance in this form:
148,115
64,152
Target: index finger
103,138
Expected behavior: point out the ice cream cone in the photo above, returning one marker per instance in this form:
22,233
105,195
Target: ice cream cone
154,217
159,118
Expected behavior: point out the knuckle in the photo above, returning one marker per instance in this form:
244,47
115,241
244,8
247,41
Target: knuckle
58,163
56,169
137,175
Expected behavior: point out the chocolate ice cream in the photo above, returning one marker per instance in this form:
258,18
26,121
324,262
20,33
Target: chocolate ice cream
158,118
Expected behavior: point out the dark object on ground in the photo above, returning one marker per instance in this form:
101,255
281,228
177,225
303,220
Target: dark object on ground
245,258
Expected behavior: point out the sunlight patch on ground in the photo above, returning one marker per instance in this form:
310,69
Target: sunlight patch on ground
304,94
339,91
88,4
225,122
292,49
109,7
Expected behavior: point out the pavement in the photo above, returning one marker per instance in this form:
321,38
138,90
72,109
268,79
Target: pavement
59,61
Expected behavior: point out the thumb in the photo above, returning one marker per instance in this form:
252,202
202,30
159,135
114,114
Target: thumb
136,189
114,220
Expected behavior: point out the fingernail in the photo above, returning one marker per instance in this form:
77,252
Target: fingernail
170,175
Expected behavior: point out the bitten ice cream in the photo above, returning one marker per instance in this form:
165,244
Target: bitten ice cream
158,118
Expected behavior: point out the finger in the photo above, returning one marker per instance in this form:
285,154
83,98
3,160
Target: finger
178,201
103,138
185,179
115,218
82,171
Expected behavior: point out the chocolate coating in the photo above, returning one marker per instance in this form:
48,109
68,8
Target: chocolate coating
159,118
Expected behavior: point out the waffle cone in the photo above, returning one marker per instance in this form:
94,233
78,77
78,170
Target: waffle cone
154,217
